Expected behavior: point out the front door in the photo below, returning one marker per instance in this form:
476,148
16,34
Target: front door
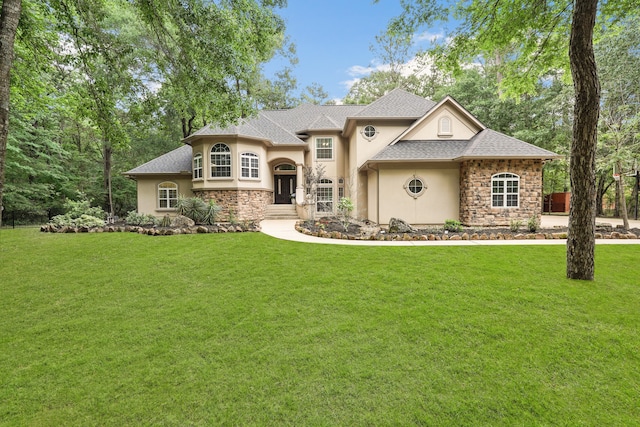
285,185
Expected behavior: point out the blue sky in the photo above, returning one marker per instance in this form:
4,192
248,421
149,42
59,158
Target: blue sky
332,38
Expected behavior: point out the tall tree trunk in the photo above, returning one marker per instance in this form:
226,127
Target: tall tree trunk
599,194
9,18
107,155
582,214
621,203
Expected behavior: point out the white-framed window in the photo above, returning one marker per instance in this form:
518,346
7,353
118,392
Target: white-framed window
505,190
324,148
249,165
220,161
285,167
369,132
415,186
167,195
444,126
197,166
324,196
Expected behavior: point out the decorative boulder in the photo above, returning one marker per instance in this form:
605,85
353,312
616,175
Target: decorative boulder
397,225
182,221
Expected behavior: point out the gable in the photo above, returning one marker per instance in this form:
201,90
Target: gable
447,120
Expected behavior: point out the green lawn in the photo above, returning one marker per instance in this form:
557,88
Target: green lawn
242,329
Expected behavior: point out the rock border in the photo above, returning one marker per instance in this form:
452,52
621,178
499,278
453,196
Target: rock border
154,231
461,236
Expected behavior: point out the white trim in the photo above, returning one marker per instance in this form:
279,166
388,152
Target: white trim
328,138
508,178
250,168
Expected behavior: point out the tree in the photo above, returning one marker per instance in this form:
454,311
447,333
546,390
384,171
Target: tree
619,132
208,54
315,94
582,213
532,39
9,18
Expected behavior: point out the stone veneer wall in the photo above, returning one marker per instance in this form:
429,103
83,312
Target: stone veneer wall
247,205
475,191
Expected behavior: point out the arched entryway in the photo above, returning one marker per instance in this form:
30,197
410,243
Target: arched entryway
284,183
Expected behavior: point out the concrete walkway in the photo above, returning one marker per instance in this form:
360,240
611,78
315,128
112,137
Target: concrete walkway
285,230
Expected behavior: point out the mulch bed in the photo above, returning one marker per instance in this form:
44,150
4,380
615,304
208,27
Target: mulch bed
333,229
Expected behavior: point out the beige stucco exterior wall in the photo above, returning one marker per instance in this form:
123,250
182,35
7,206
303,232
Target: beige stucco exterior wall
361,149
461,127
439,202
237,147
148,192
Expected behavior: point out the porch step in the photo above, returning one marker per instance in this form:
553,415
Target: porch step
281,212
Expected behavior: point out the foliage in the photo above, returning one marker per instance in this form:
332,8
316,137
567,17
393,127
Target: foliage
463,336
197,209
533,224
345,207
515,224
135,218
82,206
312,177
79,221
452,225
80,213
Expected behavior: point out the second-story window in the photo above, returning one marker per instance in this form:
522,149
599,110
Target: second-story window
324,148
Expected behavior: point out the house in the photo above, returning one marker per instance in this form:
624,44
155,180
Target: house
400,156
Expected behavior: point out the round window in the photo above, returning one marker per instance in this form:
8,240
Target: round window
369,132
415,187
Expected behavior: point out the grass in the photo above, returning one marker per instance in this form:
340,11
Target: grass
242,329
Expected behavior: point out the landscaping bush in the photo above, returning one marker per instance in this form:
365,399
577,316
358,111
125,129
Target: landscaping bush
345,207
80,213
515,225
452,225
135,218
533,224
198,210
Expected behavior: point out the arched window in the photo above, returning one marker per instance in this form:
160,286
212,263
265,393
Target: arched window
285,167
444,126
249,165
220,161
167,195
197,166
505,190
324,196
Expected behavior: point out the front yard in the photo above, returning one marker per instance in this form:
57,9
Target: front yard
242,329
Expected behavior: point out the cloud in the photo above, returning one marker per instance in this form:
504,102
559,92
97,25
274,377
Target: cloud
348,84
429,37
362,71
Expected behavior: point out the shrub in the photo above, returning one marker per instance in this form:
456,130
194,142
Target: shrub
533,224
515,225
345,207
80,213
452,225
198,210
134,218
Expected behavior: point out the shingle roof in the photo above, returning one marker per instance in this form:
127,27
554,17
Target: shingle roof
422,150
285,126
397,103
489,143
486,144
174,162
